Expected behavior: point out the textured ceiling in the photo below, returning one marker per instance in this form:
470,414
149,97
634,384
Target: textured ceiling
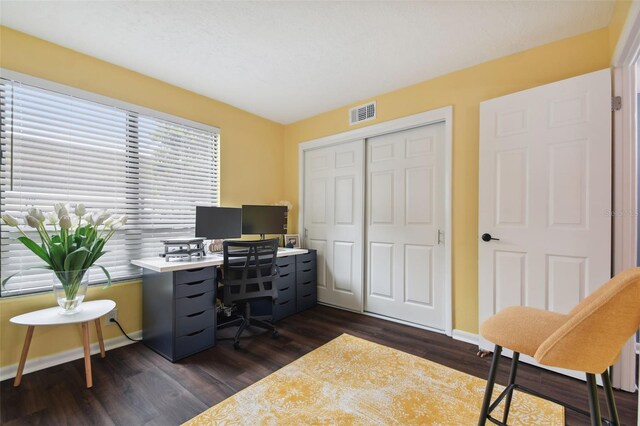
290,60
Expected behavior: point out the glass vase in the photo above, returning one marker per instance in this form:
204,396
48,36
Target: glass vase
69,289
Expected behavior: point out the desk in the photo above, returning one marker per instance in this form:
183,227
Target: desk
89,311
159,264
178,302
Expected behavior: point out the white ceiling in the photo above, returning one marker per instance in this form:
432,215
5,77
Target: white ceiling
291,60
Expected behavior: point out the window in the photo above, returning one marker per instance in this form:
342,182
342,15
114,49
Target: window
57,147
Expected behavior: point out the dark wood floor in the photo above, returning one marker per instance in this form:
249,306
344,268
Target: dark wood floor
135,386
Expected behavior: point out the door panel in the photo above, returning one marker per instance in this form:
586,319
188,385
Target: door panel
380,269
544,193
566,279
404,212
333,206
418,274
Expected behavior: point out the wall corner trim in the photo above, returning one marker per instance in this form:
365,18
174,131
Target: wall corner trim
465,336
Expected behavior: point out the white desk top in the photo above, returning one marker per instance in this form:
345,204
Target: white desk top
52,316
159,264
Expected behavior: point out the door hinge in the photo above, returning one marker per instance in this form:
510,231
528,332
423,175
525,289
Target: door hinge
440,237
616,103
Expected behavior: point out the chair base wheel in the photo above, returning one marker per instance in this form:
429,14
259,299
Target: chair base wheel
236,345
274,334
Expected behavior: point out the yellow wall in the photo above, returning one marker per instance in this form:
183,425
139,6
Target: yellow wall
250,146
464,90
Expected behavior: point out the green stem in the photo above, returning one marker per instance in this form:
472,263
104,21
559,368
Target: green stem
22,232
102,232
44,235
71,281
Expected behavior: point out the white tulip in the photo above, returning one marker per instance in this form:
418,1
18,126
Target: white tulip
36,214
9,220
89,218
115,225
31,221
123,219
65,222
61,209
80,210
101,217
53,218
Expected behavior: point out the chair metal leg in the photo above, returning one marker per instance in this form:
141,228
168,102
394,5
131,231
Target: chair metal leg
265,325
236,340
611,402
512,380
491,381
231,323
594,404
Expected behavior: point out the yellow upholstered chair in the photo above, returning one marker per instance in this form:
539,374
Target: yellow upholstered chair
589,339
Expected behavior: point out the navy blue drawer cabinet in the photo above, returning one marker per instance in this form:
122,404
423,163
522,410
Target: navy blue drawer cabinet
306,281
297,287
179,317
285,304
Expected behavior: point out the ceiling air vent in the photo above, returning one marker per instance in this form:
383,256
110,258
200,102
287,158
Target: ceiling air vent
362,113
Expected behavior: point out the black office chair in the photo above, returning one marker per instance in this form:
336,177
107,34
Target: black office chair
248,272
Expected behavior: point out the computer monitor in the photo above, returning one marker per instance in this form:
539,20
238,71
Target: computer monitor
217,223
264,220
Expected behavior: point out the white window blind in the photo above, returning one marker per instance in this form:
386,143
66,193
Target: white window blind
61,148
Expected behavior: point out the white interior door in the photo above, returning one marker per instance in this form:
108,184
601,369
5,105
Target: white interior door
404,215
545,195
333,220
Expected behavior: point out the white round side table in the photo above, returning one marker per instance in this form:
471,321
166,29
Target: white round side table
89,311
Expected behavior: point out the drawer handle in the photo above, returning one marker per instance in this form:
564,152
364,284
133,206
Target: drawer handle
195,333
196,283
306,261
306,295
195,315
283,303
284,275
307,283
194,270
194,296
307,270
284,289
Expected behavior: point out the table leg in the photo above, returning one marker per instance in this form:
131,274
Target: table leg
23,356
100,340
87,353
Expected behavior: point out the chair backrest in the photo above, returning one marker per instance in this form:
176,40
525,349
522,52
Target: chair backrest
596,329
249,269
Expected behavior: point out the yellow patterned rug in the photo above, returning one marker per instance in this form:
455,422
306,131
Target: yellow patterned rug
351,381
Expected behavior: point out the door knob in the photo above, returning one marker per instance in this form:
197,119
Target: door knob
488,237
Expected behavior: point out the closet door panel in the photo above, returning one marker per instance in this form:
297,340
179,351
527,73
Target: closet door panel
404,211
333,220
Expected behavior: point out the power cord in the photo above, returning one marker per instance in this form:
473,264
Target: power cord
123,332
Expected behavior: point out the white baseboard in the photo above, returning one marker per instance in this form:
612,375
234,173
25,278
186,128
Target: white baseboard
465,336
41,363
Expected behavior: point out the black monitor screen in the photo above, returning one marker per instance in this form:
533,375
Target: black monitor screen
264,220
218,222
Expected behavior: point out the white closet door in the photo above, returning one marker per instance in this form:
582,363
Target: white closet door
404,213
333,220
